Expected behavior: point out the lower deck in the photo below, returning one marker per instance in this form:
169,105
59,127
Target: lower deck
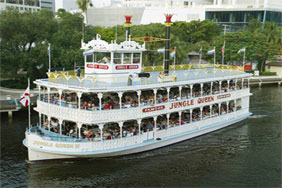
38,139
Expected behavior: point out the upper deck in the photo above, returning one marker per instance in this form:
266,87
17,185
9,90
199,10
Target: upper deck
190,74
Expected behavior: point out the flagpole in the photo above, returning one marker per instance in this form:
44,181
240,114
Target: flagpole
200,56
214,58
29,124
164,60
244,57
223,51
49,54
174,59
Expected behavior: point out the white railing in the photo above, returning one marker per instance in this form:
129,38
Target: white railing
114,115
92,146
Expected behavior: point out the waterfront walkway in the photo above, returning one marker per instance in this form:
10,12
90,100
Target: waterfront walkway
9,99
262,80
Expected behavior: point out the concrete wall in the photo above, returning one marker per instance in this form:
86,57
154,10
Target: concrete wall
276,69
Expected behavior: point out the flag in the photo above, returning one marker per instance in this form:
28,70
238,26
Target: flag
200,51
161,50
210,52
172,53
223,48
241,50
49,50
25,99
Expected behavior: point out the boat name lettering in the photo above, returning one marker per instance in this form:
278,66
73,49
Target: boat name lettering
223,96
40,143
205,99
182,104
64,145
155,108
95,66
124,67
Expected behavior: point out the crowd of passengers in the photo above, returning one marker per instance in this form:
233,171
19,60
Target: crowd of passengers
112,130
130,99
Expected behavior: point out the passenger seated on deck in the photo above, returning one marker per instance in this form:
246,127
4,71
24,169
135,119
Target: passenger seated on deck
46,124
149,126
90,135
85,132
105,60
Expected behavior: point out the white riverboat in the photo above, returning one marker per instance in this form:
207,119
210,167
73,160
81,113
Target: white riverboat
114,109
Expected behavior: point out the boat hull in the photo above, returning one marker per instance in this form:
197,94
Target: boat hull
37,155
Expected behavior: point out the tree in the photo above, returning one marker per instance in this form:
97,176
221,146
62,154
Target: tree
83,6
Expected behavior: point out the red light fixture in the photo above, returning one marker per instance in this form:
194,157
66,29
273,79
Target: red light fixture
128,19
168,17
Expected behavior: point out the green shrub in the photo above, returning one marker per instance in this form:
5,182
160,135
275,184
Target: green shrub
268,74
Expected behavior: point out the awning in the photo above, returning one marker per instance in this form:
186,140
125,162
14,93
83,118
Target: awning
88,53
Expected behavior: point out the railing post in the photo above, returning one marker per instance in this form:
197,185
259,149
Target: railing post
228,84
79,125
100,96
167,118
60,123
39,90
155,127
120,124
191,90
168,89
236,84
155,94
179,118
120,98
191,117
211,89
210,110
220,82
40,122
180,92
49,122
202,85
79,95
48,92
139,126
201,114
139,97
219,110
101,126
60,96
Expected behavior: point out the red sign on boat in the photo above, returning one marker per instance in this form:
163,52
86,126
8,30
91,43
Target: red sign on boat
124,67
96,66
155,108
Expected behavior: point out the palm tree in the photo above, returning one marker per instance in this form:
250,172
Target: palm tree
83,6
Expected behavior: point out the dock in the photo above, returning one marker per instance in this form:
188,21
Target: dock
9,99
263,80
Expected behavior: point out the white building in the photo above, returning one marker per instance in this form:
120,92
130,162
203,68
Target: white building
68,5
235,12
25,5
49,4
21,5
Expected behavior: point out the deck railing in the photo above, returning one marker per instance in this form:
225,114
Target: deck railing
193,72
138,139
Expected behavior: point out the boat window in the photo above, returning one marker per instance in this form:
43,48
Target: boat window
136,58
101,57
89,58
127,58
117,58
